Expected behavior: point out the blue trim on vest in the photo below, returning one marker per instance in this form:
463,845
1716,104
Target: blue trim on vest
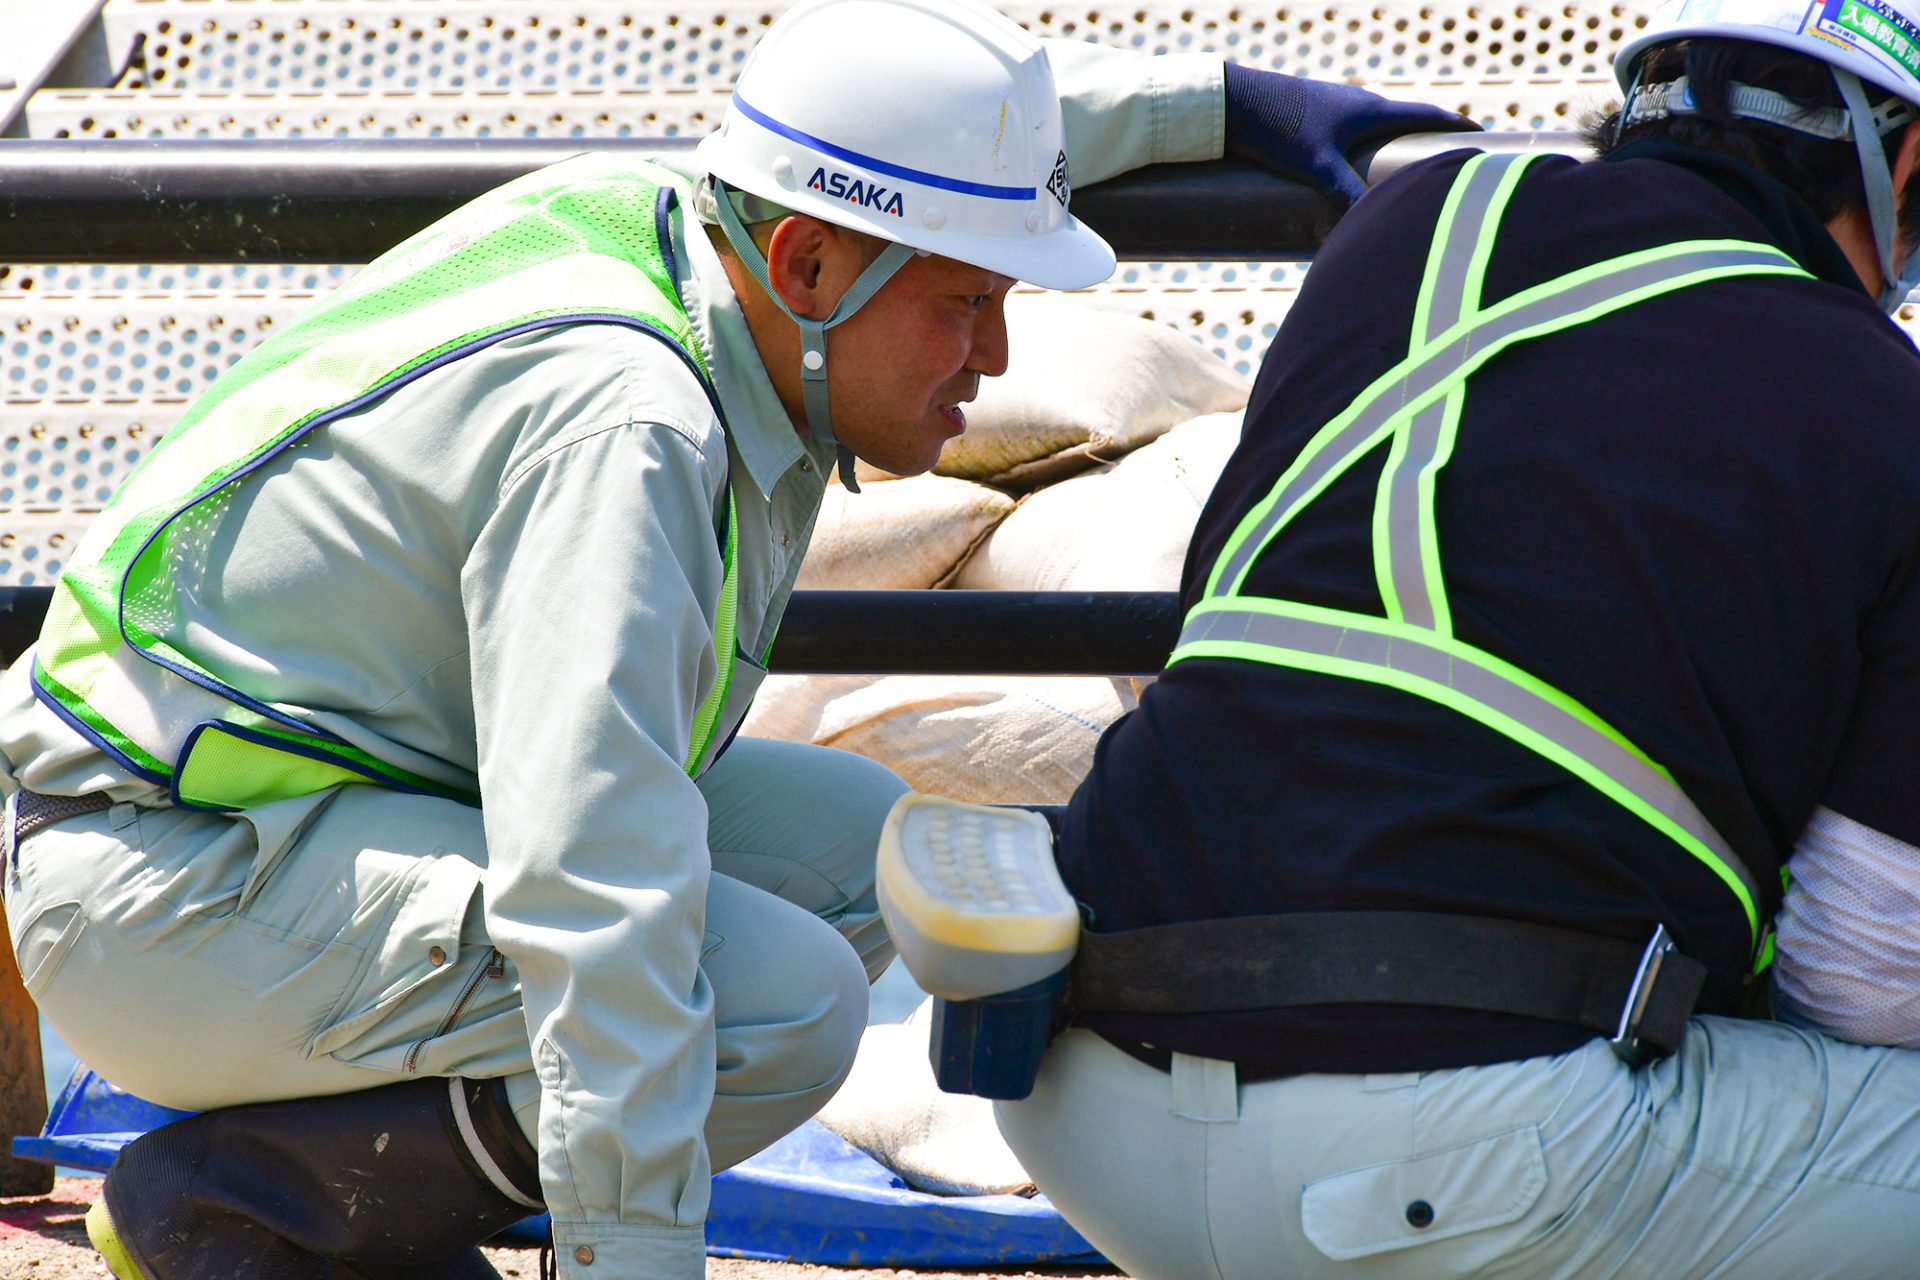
292,749
920,176
663,237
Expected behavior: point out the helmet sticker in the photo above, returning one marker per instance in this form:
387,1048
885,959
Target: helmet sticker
868,195
1057,183
1871,27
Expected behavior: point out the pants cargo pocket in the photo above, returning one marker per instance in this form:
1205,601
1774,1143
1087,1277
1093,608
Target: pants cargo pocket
419,969
1425,1199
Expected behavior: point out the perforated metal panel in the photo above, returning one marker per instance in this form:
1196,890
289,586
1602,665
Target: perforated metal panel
19,282
117,347
602,113
34,545
436,44
545,44
75,454
489,113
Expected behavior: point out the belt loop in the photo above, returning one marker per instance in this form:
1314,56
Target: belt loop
1205,1089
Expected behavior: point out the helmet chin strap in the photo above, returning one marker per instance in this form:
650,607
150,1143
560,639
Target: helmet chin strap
813,333
1878,177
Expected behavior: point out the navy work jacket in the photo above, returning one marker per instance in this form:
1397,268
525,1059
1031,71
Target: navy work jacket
1698,516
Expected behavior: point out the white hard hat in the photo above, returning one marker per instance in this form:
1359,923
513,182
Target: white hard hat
930,123
1876,40
1862,42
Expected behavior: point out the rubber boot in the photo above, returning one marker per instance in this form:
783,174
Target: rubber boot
397,1183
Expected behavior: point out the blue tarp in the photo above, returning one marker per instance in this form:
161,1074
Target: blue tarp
808,1198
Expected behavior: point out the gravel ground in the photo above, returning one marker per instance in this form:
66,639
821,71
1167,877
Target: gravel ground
44,1238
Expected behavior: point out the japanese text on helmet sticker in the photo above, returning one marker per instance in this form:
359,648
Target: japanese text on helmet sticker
1874,28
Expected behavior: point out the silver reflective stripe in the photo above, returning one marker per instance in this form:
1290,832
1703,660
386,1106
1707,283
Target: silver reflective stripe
1450,665
1448,303
1447,307
1441,363
1404,558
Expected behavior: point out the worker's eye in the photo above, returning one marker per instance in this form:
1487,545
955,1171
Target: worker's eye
975,301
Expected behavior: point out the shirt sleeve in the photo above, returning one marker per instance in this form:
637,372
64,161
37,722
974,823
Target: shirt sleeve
590,595
1124,109
1847,940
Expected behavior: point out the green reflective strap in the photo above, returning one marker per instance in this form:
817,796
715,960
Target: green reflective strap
1424,535
1493,692
1417,405
1406,552
725,642
1418,381
1509,171
1385,572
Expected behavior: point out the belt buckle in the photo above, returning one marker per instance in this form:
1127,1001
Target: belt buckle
1626,1043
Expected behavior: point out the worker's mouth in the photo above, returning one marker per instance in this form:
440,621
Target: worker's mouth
955,417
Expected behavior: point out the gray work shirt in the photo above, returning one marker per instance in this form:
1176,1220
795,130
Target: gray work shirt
504,576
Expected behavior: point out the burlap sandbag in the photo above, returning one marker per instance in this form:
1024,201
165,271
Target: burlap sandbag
902,536
988,739
1122,528
1087,380
891,1108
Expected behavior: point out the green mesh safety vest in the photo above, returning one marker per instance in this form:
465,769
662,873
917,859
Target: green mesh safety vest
1416,407
583,240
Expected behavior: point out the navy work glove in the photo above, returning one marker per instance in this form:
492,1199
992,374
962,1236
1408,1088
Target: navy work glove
1305,128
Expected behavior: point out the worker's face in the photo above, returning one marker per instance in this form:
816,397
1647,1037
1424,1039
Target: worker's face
901,370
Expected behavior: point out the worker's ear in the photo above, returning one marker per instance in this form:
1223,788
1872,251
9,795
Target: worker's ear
810,263
1907,159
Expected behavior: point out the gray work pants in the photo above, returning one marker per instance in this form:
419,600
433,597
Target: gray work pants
185,966
1757,1152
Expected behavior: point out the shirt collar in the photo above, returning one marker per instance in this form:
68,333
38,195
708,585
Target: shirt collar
1789,221
757,423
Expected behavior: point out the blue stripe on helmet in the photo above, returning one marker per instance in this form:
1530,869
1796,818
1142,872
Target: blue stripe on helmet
881,166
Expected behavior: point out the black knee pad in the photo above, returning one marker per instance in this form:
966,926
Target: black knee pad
496,1151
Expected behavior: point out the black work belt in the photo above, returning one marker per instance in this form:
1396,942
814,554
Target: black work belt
1638,994
32,810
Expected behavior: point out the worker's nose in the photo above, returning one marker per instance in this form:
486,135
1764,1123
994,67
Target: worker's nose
989,355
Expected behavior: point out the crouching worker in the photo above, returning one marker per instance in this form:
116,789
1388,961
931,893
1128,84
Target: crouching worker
1560,598
367,782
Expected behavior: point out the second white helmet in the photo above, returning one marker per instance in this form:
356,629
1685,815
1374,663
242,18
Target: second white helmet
1875,40
929,123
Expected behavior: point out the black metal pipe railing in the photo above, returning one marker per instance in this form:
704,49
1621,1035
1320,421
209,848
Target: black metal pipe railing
1115,633
348,200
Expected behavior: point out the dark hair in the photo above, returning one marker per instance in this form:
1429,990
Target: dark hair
1825,173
